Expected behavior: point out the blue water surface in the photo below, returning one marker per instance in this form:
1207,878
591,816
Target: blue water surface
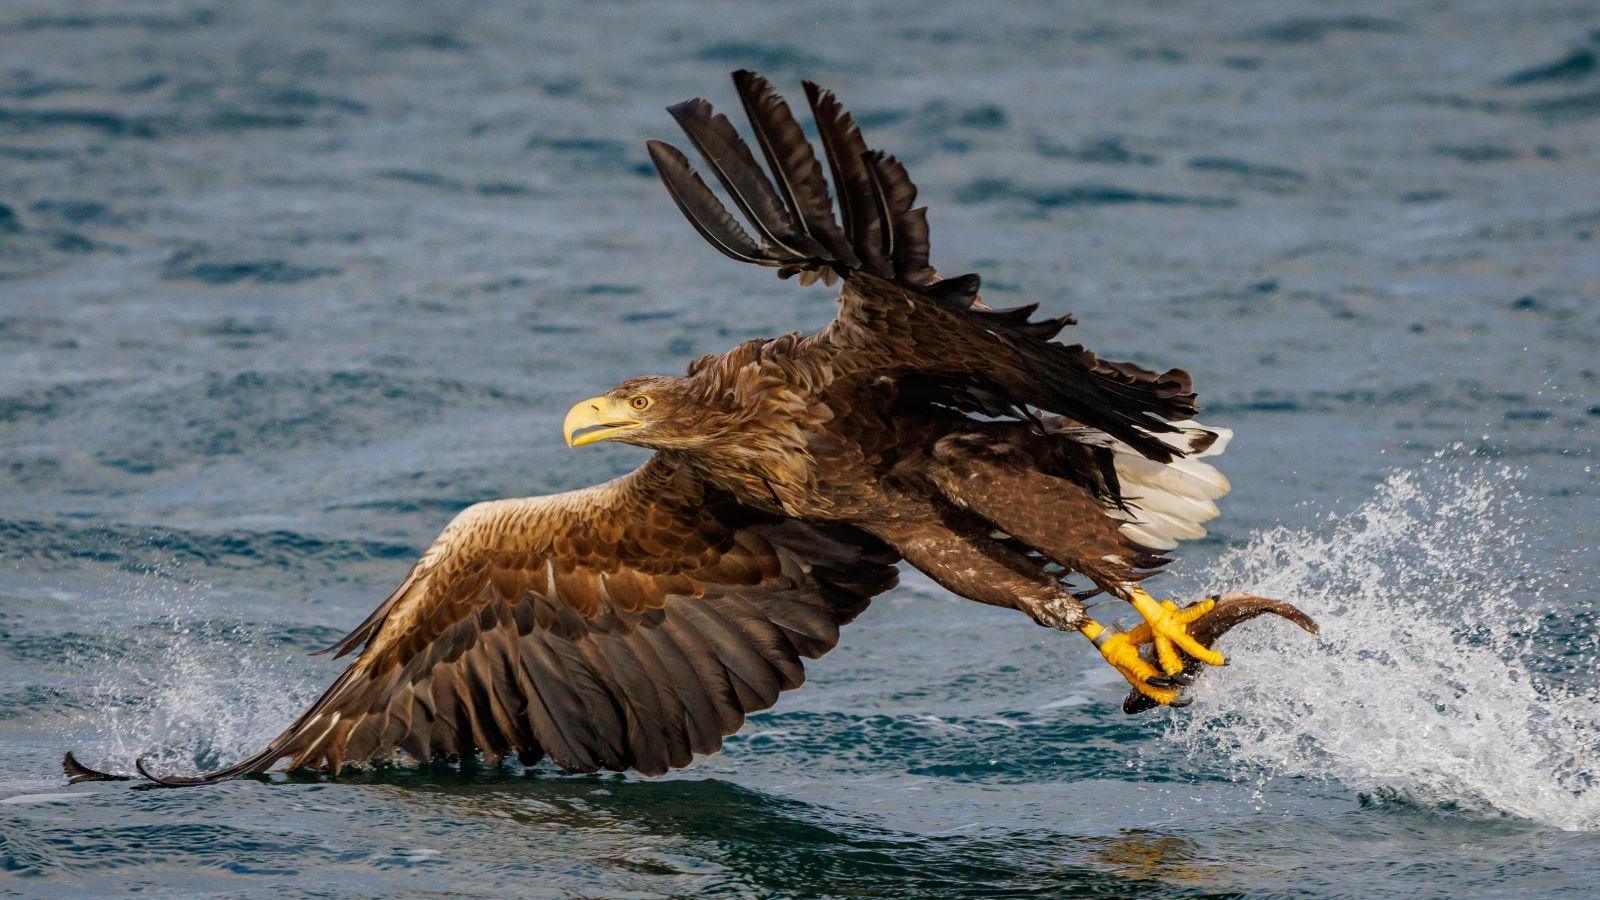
285,285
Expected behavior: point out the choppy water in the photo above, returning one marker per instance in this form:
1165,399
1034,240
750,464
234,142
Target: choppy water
284,286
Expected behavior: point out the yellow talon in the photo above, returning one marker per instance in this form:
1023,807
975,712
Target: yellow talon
1166,626
1169,629
1121,650
1166,655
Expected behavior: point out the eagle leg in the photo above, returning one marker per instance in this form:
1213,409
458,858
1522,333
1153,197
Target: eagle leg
1121,651
958,552
986,470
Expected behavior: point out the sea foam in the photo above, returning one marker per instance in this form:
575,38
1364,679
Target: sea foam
1451,671
186,691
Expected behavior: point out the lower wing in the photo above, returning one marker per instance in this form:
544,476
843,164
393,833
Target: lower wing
627,626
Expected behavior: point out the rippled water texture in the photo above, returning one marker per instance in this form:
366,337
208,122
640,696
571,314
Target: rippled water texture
284,286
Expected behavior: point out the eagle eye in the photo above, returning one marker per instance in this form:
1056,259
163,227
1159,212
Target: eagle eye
639,402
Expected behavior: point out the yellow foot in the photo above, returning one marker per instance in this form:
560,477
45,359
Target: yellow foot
1122,653
1167,627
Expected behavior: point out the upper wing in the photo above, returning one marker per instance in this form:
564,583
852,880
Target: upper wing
896,312
629,625
792,214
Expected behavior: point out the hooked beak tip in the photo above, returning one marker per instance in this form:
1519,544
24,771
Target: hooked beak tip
596,420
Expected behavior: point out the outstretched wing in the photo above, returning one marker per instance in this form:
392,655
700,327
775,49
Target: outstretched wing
896,311
626,626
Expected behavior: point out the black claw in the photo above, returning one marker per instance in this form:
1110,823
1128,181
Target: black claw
1161,681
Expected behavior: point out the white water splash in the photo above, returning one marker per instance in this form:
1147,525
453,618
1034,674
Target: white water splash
184,692
1449,671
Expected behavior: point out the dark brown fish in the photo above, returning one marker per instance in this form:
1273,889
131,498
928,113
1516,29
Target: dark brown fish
1209,628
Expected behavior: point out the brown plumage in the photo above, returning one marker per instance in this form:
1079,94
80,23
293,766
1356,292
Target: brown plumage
634,624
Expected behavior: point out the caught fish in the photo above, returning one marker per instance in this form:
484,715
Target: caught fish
1208,629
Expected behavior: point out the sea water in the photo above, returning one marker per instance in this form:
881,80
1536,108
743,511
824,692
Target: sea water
284,286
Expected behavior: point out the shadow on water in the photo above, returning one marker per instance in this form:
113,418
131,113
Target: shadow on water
753,840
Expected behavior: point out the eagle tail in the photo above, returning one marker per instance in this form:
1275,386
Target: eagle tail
1162,503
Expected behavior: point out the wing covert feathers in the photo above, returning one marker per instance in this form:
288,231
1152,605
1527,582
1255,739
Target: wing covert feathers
627,626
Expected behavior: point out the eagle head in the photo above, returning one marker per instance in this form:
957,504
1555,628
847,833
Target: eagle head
653,411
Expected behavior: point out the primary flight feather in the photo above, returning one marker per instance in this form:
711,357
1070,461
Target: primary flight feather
634,624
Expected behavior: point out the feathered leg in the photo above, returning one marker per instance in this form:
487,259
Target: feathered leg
958,553
988,474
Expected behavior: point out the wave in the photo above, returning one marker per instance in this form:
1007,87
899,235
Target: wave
1451,671
1454,670
185,690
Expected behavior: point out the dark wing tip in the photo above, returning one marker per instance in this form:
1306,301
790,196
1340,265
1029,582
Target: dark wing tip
959,293
249,766
689,107
77,772
703,210
168,780
663,154
344,645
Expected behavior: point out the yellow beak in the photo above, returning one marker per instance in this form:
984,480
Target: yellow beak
598,419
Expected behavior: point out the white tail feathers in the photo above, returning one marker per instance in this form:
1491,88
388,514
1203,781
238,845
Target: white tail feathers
1168,502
